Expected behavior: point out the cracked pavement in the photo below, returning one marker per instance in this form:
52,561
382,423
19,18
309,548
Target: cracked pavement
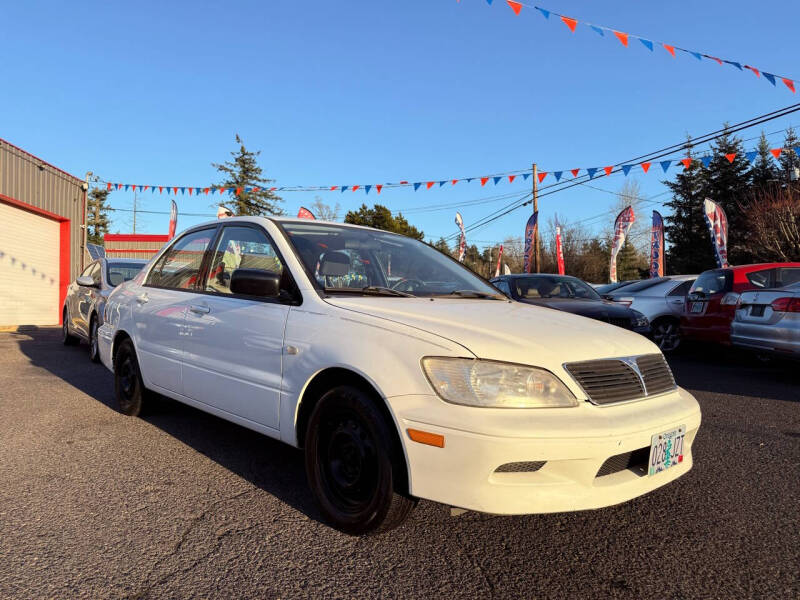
181,504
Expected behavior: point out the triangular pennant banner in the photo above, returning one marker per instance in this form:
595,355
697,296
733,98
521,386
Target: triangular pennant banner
626,169
379,187
545,13
645,166
542,175
127,186
591,172
598,30
515,6
511,178
670,49
575,172
751,156
441,183
797,150
429,185
754,70
190,191
484,180
665,164
608,170
646,43
133,187
789,83
496,179
719,60
769,77
108,187
525,176
571,23
735,64
686,162
355,187
731,157
416,186
455,181
622,37
367,188
706,160
557,175
175,191
776,152
344,187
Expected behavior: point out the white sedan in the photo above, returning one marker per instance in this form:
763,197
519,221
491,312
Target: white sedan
400,373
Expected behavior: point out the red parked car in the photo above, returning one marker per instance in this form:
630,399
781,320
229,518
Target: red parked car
713,298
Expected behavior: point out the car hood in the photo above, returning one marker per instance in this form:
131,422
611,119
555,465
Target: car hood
595,309
506,331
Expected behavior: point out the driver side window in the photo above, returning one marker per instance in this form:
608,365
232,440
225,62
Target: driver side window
240,248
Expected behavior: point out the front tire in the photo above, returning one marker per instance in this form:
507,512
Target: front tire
353,464
128,387
666,334
66,337
94,349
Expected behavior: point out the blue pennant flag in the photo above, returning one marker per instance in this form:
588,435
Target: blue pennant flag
127,186
545,13
525,176
441,183
152,189
598,30
183,191
344,187
734,63
470,179
489,1
706,160
626,169
367,188
751,156
647,44
797,150
665,164
557,175
697,55
496,179
770,77
591,172
248,189
419,183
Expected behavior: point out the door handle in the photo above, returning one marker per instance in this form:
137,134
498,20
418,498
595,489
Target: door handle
200,309
142,298
677,301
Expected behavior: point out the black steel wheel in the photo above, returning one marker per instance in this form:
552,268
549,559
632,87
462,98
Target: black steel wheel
353,464
666,334
128,387
94,350
66,336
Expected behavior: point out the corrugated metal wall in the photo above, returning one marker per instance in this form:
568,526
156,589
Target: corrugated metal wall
28,179
145,250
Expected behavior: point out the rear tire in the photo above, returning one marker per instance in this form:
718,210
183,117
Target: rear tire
128,387
94,350
666,334
66,337
354,467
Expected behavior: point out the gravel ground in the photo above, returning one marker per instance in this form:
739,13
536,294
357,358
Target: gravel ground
184,505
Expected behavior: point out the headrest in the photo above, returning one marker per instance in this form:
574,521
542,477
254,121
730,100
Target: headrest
334,264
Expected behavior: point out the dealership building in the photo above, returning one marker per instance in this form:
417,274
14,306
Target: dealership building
42,224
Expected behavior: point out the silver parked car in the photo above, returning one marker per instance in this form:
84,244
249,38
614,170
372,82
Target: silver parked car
769,321
661,300
86,298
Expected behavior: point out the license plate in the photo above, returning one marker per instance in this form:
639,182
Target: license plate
666,450
757,310
696,307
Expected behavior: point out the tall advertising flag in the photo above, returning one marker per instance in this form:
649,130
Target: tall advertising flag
559,249
304,213
718,229
530,248
657,246
622,226
462,244
173,219
499,258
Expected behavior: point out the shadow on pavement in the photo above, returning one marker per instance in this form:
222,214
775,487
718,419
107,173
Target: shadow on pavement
272,466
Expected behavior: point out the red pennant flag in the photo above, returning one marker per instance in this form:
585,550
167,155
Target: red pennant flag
334,187
355,187
206,190
608,170
645,166
455,181
379,187
575,172
403,183
144,189
484,180
789,83
429,185
754,70
238,191
221,190
255,189
686,162
272,189
119,185
670,49
622,37
571,23
515,6
133,187
511,178
719,60
542,175
731,157
108,187
190,191
175,190
160,189
776,152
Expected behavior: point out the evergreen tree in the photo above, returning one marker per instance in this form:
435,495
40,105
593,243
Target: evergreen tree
243,172
629,262
728,185
685,229
381,217
763,174
442,246
790,159
97,220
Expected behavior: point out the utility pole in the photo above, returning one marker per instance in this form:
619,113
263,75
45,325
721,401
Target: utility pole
536,256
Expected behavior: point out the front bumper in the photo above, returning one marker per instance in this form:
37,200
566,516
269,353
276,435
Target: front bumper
573,443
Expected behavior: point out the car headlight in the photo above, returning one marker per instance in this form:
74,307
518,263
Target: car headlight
639,320
492,384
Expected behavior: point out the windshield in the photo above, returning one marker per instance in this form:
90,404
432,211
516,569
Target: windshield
117,273
347,259
553,286
712,282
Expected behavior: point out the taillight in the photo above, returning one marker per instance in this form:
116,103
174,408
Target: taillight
791,305
731,299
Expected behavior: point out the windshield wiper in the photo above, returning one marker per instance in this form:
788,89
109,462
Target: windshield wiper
476,294
376,290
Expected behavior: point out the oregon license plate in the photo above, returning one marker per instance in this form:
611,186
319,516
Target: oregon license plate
666,450
697,307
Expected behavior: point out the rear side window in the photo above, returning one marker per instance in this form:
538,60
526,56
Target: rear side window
179,267
788,276
761,279
682,289
502,285
713,282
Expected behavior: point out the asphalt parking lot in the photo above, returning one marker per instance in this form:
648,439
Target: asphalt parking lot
184,505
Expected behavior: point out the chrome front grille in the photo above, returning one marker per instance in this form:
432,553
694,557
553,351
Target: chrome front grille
621,379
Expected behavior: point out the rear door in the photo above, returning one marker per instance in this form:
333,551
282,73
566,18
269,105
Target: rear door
233,347
676,298
159,310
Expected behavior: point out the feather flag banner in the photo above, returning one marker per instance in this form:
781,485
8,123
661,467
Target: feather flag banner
499,258
304,213
531,227
657,246
622,226
717,224
462,243
559,250
173,219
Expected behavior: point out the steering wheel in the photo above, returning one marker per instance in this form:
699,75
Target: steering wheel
408,285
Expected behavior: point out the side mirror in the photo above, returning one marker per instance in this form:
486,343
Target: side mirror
256,282
85,281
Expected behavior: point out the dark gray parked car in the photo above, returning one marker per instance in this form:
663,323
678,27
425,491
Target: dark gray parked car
86,298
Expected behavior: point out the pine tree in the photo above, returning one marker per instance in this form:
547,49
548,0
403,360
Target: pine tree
629,262
97,221
243,172
381,217
442,246
790,159
685,229
763,174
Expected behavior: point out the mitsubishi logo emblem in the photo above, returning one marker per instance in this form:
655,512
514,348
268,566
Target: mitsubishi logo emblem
631,362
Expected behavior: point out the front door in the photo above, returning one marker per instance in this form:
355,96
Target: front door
233,345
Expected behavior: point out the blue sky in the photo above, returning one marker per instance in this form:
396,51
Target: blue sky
360,92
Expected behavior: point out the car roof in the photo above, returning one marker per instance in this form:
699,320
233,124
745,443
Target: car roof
757,266
282,220
138,261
